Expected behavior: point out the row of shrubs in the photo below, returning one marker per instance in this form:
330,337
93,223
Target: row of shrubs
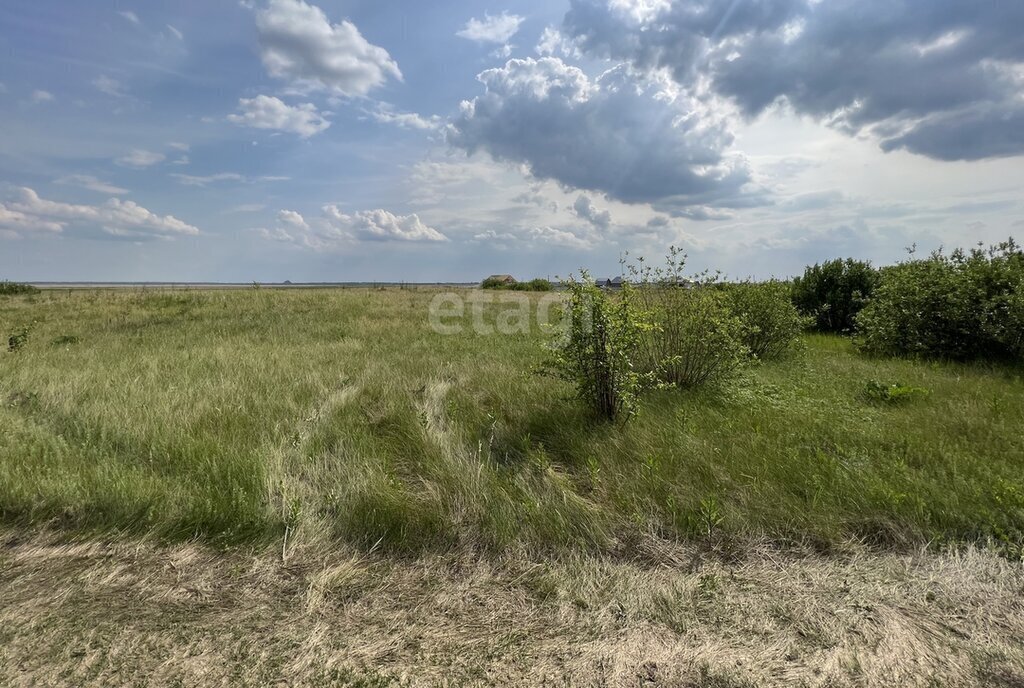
538,284
16,288
959,305
663,331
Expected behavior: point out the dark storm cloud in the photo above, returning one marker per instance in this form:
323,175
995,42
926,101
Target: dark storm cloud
939,78
612,135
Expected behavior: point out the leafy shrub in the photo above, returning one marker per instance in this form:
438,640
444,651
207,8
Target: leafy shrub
599,348
18,340
538,284
771,323
833,293
494,283
16,289
694,338
1012,335
892,393
959,306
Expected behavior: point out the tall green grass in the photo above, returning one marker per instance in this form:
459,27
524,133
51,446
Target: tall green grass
242,415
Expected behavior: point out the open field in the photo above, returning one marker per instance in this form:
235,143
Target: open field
323,474
236,415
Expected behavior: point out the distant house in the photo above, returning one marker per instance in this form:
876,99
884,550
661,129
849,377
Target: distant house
499,281
609,282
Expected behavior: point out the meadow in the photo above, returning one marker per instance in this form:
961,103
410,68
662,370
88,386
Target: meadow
319,487
263,415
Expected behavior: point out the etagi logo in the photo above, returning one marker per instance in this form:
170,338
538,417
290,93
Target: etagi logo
489,313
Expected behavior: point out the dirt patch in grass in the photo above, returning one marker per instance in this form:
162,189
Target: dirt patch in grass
97,613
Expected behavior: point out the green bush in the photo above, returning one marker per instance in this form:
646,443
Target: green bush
1012,335
538,284
18,340
958,306
599,348
771,323
16,289
893,393
833,293
494,283
693,336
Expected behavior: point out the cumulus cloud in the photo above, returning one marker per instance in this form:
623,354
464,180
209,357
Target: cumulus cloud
560,237
87,181
336,229
140,158
630,140
552,42
41,96
585,209
292,218
115,217
491,236
490,29
940,79
268,112
299,44
381,225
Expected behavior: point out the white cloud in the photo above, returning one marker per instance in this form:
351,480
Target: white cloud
176,33
140,158
112,87
552,42
277,234
41,96
560,237
194,180
184,147
491,29
115,217
268,112
87,181
131,16
14,222
381,225
491,236
205,180
292,218
406,120
300,45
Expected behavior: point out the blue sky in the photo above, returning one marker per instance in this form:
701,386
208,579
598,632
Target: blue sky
349,140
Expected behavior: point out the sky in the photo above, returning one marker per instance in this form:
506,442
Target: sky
350,140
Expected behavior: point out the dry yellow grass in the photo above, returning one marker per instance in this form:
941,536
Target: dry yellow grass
134,613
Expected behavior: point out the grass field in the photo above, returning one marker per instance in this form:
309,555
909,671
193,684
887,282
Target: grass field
238,416
317,488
